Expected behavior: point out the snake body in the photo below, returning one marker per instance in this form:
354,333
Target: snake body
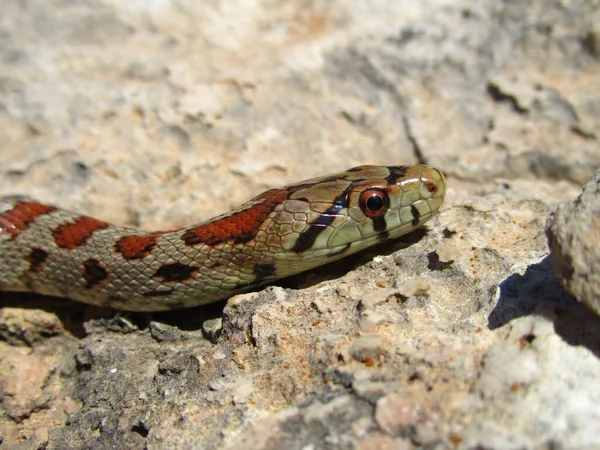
278,233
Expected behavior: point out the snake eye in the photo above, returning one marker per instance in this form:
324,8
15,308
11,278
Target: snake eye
374,202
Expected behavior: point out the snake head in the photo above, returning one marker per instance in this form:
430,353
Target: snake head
343,213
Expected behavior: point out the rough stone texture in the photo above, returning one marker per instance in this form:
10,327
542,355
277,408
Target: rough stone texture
160,113
573,236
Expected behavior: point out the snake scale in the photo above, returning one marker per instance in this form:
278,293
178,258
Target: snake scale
278,233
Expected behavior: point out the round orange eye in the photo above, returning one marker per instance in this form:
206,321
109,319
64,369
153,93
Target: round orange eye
374,202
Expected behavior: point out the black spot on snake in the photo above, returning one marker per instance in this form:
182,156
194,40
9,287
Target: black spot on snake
264,271
94,272
416,215
36,259
175,272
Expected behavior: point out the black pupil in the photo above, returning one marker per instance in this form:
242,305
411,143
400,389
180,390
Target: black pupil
375,202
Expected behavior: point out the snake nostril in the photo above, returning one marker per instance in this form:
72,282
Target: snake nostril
431,187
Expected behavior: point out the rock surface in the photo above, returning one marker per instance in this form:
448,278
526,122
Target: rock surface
573,235
161,113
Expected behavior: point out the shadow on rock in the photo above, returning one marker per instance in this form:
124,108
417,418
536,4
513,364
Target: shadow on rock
74,315
539,291
338,269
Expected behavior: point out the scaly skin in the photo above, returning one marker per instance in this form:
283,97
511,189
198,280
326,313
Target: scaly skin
279,233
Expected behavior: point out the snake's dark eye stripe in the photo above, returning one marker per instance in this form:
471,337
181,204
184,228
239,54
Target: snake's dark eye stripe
374,202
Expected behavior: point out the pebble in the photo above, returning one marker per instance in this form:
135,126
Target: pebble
370,347
212,328
573,232
408,288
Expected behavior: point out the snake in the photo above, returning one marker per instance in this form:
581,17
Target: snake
279,233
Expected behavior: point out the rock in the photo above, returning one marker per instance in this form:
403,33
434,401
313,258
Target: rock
370,349
395,412
27,327
24,388
212,328
573,231
165,333
159,114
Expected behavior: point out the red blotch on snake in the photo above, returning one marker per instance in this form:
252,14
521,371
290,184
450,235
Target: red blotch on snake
17,219
74,235
136,247
239,227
